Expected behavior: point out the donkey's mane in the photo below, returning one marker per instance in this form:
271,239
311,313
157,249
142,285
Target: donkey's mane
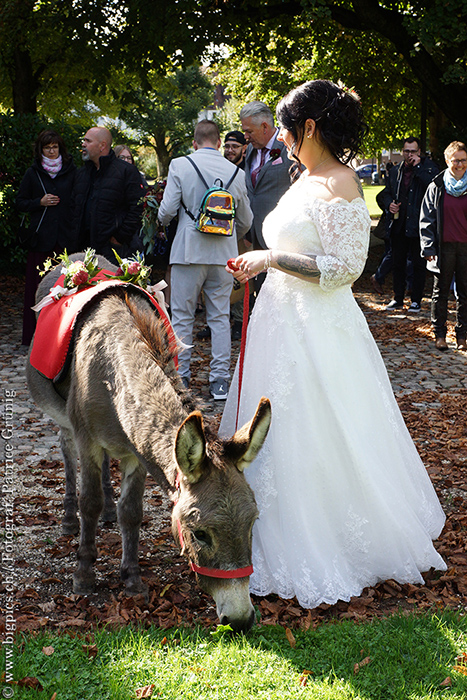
153,335
152,332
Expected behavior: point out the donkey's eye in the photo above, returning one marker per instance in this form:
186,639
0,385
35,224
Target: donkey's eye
203,537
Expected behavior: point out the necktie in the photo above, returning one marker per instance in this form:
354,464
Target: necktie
256,171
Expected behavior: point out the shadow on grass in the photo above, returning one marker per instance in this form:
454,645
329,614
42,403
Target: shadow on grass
400,657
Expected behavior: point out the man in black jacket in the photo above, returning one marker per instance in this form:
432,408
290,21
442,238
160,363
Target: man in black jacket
402,199
106,195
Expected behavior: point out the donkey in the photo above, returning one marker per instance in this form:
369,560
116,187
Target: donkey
122,398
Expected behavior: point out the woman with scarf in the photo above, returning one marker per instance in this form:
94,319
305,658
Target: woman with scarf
443,234
45,195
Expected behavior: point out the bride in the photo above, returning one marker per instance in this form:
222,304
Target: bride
343,497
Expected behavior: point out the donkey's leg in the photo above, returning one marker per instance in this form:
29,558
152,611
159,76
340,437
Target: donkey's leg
109,514
91,501
130,515
70,522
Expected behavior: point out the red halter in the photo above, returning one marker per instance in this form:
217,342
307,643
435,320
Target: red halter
214,573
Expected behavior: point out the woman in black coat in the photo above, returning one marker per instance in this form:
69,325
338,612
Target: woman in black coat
45,194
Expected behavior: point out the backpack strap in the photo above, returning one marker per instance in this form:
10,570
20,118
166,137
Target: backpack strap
193,218
232,178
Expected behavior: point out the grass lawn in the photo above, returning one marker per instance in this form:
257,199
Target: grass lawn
370,192
403,657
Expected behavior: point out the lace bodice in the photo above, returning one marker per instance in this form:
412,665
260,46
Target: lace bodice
337,232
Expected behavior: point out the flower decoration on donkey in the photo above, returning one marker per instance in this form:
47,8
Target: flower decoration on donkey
79,274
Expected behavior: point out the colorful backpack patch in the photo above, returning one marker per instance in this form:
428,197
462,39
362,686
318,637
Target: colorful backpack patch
216,212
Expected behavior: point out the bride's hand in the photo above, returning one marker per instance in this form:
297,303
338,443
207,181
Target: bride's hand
249,265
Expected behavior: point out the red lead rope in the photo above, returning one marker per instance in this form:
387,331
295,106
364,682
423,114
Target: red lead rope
246,311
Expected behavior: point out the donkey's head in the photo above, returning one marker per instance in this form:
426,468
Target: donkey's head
214,515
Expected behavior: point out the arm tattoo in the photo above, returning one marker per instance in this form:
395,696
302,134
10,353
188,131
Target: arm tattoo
359,185
300,264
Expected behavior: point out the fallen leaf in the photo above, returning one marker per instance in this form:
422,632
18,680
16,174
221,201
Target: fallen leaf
290,638
145,692
29,682
304,677
90,650
359,665
48,651
446,683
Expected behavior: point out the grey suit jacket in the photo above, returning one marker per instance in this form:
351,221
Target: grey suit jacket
190,246
273,180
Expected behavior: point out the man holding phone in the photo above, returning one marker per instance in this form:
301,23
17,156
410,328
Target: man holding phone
402,198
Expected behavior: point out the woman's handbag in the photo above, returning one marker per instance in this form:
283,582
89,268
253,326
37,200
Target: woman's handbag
26,235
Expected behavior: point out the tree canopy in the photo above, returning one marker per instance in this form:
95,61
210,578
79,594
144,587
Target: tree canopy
163,116
60,55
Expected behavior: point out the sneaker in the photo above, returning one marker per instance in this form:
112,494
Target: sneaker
219,389
414,307
185,382
394,305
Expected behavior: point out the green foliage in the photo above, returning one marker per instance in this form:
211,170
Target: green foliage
400,657
17,137
164,115
390,95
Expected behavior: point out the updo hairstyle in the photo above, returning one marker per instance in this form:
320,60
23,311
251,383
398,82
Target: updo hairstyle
336,112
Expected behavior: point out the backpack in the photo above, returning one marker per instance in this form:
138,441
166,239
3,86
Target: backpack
216,212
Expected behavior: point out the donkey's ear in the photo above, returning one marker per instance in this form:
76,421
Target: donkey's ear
247,442
190,447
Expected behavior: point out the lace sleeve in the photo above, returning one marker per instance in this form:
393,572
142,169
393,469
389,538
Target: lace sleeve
344,231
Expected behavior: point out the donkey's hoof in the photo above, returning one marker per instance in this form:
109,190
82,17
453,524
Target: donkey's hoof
137,588
70,525
109,514
84,586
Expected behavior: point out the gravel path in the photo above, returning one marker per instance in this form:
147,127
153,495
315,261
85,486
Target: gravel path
31,439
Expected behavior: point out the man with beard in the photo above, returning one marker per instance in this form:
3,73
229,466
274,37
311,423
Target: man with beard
106,199
402,198
235,146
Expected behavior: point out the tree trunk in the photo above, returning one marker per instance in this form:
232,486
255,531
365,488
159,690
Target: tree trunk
162,154
25,86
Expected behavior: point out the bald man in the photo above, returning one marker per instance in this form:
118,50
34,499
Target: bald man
106,195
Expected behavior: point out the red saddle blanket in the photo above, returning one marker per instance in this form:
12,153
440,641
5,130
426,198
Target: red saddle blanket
53,341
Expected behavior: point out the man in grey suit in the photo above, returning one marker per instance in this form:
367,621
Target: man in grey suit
198,260
266,165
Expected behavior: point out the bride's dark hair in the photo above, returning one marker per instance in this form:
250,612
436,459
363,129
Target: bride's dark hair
336,112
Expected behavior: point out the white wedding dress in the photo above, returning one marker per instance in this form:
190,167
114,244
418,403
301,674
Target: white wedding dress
343,497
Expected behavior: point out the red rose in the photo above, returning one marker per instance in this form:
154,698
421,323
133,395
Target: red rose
80,277
133,268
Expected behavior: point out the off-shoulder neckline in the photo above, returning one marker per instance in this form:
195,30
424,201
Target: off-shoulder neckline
336,200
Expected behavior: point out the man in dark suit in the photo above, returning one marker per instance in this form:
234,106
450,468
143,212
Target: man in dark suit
266,168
